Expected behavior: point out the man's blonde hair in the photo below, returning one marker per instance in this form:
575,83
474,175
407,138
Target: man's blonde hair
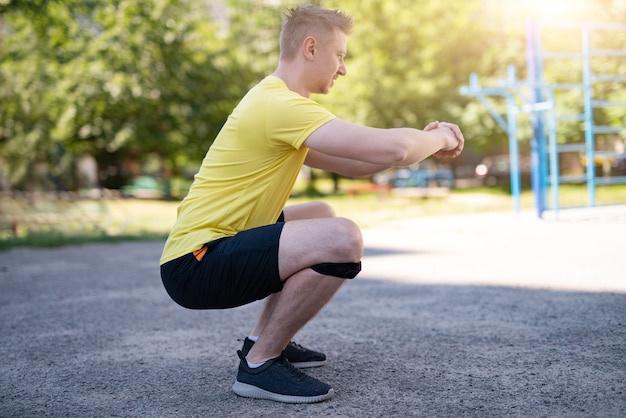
310,20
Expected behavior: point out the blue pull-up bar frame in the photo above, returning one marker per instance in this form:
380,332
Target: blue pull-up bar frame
536,98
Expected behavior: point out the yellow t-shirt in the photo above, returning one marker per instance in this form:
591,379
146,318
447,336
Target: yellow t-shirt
249,171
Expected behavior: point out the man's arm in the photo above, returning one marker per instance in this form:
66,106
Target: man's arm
343,166
355,150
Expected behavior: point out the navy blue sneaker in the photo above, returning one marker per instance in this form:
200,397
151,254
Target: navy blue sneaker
299,356
278,380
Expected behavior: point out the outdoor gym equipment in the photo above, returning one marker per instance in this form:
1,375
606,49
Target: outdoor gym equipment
602,95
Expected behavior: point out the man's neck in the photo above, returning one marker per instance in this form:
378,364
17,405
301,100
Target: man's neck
290,76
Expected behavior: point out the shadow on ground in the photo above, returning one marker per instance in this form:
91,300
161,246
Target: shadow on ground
89,331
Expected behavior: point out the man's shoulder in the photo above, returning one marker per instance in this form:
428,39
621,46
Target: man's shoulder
267,91
271,83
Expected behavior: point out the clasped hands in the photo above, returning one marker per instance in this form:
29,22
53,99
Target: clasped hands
455,139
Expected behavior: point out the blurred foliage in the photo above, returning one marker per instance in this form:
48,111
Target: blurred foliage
115,79
128,80
407,60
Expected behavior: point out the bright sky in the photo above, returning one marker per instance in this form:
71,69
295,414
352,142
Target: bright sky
554,10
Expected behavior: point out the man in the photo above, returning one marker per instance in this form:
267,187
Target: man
227,247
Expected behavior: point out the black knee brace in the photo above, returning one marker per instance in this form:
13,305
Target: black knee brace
343,270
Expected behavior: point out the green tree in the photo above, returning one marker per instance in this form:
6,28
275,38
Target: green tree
123,79
117,79
407,60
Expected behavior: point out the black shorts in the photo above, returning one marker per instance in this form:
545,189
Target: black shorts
234,271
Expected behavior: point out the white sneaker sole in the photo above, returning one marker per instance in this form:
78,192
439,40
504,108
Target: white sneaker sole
249,391
309,364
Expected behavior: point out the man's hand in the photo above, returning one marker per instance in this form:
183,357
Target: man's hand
455,148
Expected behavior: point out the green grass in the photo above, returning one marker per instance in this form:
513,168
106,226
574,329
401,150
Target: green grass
58,239
371,209
49,223
45,222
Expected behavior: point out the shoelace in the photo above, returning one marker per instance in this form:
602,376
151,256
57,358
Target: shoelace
282,360
295,372
296,345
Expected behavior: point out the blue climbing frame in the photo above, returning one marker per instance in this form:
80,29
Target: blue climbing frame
538,99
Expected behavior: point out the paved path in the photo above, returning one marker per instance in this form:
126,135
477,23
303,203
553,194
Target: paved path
482,315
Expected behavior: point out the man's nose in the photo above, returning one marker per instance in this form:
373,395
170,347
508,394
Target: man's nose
342,69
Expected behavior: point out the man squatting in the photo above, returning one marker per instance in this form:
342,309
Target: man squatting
235,241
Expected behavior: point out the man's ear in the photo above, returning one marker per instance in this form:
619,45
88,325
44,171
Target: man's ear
310,47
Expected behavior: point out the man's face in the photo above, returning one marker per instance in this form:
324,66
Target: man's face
330,63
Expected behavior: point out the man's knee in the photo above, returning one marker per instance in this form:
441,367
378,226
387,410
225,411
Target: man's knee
325,210
319,209
349,236
309,210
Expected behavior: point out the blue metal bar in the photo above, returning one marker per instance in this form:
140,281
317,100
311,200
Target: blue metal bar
579,117
611,180
610,154
554,156
537,142
514,156
516,85
608,77
495,115
573,179
607,103
545,162
609,129
562,55
589,132
536,107
571,147
608,52
565,86
474,89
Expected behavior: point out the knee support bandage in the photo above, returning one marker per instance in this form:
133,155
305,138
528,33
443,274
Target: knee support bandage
343,270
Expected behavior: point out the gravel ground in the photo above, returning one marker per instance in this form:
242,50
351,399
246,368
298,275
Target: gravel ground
481,315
